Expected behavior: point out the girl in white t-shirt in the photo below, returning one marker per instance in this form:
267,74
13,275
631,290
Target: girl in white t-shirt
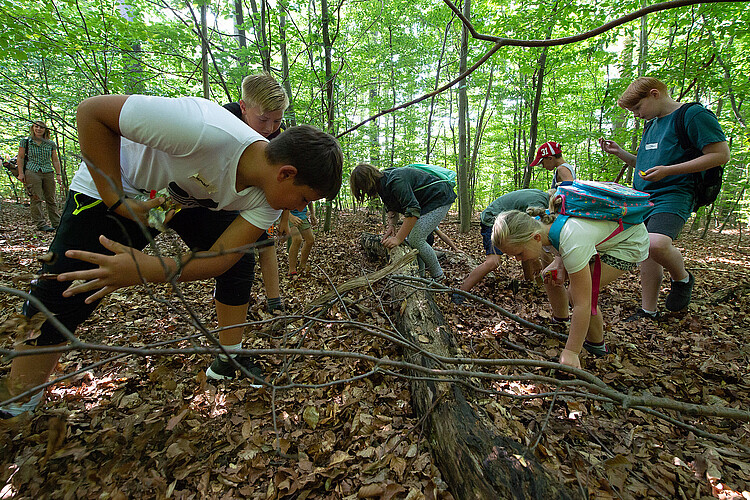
522,235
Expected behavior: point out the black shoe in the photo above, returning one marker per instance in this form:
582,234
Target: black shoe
457,298
679,296
640,313
221,370
47,229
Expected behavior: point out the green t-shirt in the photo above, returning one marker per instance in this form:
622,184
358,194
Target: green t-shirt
515,200
660,146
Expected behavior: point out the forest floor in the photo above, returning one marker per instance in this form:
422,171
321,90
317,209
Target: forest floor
153,427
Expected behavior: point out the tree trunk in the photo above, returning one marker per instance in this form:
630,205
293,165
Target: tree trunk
289,114
464,210
474,458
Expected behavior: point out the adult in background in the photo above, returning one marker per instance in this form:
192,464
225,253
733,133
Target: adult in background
38,169
663,173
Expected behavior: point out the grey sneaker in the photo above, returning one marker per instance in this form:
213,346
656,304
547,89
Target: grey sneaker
596,350
221,369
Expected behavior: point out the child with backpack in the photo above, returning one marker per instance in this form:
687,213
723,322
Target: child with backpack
423,198
666,170
590,253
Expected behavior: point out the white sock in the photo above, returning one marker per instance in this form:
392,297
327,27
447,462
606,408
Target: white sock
230,348
650,313
686,279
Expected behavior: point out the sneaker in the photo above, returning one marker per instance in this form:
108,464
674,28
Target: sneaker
457,298
640,313
596,350
679,296
47,229
221,369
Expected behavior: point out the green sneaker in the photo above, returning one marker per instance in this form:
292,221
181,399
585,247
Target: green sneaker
596,350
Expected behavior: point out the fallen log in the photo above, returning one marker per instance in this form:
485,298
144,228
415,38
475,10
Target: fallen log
475,459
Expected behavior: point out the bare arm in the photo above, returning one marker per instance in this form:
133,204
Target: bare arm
714,154
20,161
129,266
403,232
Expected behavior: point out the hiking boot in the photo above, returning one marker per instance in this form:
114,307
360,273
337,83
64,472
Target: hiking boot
596,350
221,369
640,313
679,296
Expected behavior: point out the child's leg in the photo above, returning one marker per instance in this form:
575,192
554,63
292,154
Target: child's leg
296,242
595,333
426,224
269,271
309,241
84,219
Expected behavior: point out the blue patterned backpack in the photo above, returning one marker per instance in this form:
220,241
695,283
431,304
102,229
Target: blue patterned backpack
600,201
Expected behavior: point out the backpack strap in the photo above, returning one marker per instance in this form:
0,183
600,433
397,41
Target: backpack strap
430,184
681,129
555,228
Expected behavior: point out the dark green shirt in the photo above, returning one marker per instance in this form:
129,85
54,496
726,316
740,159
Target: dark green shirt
660,146
520,199
413,192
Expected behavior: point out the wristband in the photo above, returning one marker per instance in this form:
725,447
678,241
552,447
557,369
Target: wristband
116,204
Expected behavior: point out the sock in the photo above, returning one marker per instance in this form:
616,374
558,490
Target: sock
16,409
555,319
686,279
274,303
230,348
650,313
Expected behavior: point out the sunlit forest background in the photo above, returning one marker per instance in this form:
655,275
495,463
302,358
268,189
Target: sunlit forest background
347,61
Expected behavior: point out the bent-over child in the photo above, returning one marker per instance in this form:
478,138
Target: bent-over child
421,197
520,199
523,234
262,107
213,166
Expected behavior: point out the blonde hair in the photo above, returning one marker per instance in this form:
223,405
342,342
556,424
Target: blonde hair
639,89
46,135
262,90
516,228
364,181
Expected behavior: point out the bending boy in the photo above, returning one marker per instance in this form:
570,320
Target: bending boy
212,165
662,172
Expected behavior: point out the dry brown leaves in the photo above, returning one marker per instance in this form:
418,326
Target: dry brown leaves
154,427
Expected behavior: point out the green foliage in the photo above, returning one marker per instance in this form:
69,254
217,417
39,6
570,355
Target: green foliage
385,54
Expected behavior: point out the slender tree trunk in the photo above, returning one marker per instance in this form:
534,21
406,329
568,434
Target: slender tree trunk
329,104
534,125
464,208
204,53
437,84
289,114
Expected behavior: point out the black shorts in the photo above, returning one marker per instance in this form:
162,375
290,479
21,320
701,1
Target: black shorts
665,223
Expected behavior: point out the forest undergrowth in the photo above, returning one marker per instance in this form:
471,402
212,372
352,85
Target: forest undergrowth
153,427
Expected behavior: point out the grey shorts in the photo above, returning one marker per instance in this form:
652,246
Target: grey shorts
666,224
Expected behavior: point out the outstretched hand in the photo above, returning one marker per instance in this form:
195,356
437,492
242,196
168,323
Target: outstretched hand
114,271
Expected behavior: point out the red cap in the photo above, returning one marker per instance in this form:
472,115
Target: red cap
549,148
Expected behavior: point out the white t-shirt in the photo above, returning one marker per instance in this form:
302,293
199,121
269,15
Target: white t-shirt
579,240
190,146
